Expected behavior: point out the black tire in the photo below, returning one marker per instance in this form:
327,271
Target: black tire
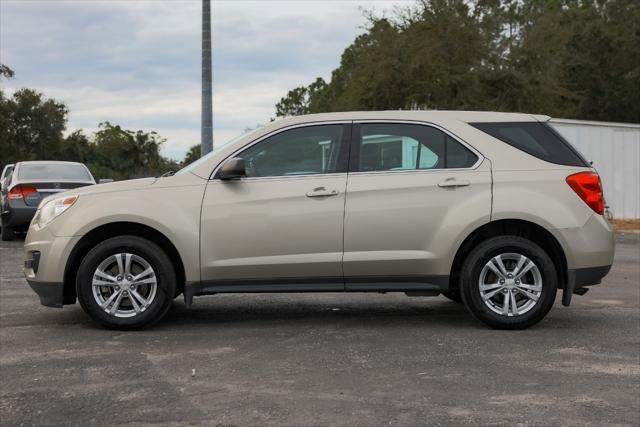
453,296
153,255
7,233
474,265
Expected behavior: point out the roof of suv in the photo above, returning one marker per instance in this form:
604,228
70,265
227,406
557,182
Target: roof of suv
436,115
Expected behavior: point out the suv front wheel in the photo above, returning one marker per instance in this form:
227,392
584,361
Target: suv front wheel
126,282
508,282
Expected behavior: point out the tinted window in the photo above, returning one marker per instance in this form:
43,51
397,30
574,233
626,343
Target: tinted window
398,146
459,156
7,171
534,138
53,171
300,151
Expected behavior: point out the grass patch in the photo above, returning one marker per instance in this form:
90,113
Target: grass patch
626,224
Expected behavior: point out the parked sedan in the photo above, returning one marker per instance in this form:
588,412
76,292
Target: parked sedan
6,172
29,183
494,209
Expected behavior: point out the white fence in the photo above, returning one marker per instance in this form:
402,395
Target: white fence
614,149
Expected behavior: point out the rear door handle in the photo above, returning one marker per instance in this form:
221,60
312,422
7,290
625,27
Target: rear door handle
452,182
322,192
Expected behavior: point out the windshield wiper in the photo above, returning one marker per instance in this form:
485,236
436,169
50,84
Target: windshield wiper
170,173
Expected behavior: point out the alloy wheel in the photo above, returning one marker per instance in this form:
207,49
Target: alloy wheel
124,285
510,284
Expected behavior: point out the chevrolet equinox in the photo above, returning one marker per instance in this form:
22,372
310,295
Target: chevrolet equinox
494,210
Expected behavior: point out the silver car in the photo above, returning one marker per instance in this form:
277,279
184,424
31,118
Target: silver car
6,171
494,210
30,182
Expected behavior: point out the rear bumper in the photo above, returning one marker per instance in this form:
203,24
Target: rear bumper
589,246
51,293
589,276
589,252
580,278
17,214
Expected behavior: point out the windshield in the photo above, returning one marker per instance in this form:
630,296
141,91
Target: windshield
53,171
215,151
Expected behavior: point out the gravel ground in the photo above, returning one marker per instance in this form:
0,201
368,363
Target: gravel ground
323,359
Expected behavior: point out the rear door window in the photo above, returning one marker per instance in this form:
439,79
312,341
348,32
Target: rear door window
402,146
535,138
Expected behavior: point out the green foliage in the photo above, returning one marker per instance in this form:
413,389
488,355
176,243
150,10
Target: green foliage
298,100
192,155
128,154
5,71
565,58
32,128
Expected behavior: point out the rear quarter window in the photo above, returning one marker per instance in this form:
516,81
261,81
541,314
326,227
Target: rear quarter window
535,138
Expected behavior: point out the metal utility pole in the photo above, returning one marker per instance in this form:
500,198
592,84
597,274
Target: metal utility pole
206,143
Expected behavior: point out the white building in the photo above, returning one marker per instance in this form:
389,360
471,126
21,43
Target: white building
614,149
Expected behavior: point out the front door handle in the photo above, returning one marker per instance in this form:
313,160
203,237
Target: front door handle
452,182
322,192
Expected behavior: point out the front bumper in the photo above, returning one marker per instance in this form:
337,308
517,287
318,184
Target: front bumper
45,260
51,293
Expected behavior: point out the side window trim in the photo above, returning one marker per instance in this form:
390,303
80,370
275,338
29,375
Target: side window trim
356,133
343,155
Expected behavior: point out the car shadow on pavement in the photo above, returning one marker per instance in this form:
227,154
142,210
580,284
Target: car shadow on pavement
319,312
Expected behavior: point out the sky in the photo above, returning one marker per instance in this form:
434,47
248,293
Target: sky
137,63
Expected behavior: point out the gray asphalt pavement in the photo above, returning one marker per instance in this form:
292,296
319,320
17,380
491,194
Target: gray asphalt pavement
323,359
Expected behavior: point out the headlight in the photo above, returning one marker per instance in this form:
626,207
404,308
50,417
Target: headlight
52,209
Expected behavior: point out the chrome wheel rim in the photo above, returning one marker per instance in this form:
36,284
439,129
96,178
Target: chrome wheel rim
124,285
510,284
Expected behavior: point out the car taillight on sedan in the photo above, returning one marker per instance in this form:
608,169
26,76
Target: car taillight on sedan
587,185
21,192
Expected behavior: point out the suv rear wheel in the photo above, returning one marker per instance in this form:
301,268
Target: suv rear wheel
508,282
126,282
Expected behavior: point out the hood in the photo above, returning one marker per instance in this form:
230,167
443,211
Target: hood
130,184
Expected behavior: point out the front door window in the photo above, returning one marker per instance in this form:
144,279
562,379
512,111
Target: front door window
301,151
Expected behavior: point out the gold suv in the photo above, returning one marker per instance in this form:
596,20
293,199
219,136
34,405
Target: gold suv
495,210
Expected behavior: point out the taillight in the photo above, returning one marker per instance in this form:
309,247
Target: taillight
587,186
21,192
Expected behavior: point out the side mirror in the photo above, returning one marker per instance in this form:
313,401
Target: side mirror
232,169
104,180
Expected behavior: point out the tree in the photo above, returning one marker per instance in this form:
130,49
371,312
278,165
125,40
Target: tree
6,72
565,58
32,126
129,154
192,155
298,100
